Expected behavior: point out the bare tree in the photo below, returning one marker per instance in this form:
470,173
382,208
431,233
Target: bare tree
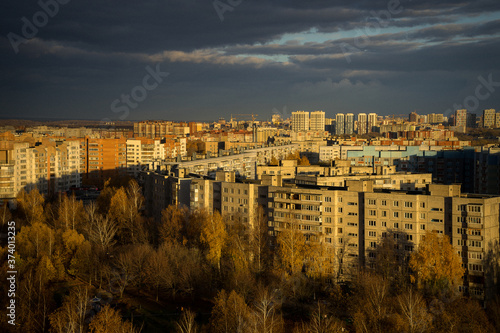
266,317
414,312
187,323
102,231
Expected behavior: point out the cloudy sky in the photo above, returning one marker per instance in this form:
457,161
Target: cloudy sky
77,59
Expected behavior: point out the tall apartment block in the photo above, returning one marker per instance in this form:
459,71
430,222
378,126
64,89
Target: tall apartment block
461,119
51,166
142,152
339,124
362,123
435,118
300,121
354,220
489,118
372,122
104,158
317,121
349,124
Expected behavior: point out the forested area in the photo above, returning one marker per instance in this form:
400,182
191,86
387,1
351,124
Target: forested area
108,267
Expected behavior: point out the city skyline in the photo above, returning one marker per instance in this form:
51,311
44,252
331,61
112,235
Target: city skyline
186,60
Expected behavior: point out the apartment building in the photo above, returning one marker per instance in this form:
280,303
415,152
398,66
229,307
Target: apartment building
143,152
339,124
51,166
153,129
349,124
300,121
317,121
488,120
362,123
104,158
372,122
356,218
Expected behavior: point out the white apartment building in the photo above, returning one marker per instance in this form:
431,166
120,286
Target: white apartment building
317,119
300,121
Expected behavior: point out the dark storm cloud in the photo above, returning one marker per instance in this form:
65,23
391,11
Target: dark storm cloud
93,51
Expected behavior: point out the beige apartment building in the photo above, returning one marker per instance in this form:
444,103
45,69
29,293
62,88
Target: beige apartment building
355,219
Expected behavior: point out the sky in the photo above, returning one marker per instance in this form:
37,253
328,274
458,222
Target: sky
201,60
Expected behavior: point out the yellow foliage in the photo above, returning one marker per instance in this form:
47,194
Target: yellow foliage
435,263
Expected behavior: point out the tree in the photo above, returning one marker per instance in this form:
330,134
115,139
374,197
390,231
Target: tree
31,205
435,265
160,274
321,322
414,312
371,305
230,313
214,236
259,242
70,317
70,211
303,161
172,222
109,320
274,161
293,249
186,323
102,231
36,240
266,316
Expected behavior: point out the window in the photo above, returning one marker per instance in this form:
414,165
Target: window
372,223
422,205
408,204
384,213
422,227
384,202
422,216
339,230
395,203
328,209
328,199
409,226
340,220
408,215
396,214
396,225
340,209
372,212
473,243
340,199
372,202
384,224
409,237
372,233
373,244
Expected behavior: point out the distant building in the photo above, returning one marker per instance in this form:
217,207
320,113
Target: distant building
372,122
413,118
489,118
461,119
362,123
300,121
339,124
471,120
317,121
349,124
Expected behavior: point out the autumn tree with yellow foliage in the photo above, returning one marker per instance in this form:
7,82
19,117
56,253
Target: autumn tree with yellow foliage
435,265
